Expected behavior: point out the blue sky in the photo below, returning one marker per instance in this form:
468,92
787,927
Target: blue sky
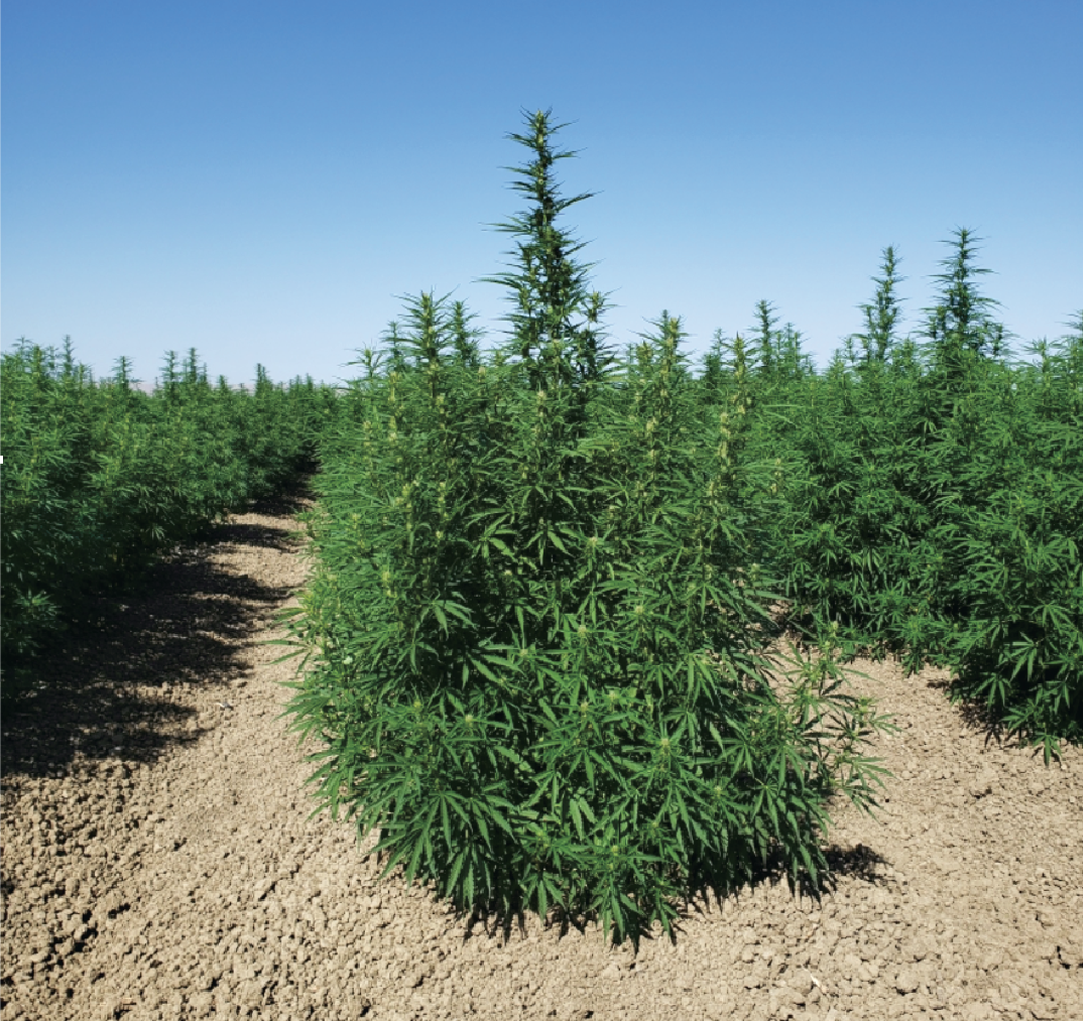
260,180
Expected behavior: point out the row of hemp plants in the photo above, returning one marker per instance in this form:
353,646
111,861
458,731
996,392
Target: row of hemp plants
100,477
536,639
935,498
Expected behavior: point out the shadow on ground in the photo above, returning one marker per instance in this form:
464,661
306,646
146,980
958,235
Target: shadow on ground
105,684
850,861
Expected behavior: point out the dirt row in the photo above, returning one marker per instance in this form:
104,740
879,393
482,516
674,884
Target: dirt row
159,862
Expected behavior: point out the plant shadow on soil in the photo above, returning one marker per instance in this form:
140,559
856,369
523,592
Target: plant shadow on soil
105,682
857,862
981,719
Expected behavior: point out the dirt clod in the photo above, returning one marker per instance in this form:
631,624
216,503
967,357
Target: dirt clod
158,861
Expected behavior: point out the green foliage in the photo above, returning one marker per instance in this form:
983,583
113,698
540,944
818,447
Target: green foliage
537,645
881,316
1016,550
934,501
101,477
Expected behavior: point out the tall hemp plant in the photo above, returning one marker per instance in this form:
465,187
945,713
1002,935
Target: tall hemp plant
1017,645
534,645
852,536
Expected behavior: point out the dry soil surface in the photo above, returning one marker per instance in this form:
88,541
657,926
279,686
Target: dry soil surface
159,862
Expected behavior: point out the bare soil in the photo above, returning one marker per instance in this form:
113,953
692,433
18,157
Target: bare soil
159,862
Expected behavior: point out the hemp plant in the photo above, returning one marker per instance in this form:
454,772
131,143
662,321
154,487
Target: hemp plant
934,502
536,639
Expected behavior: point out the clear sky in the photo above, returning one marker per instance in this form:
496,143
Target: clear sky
260,180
